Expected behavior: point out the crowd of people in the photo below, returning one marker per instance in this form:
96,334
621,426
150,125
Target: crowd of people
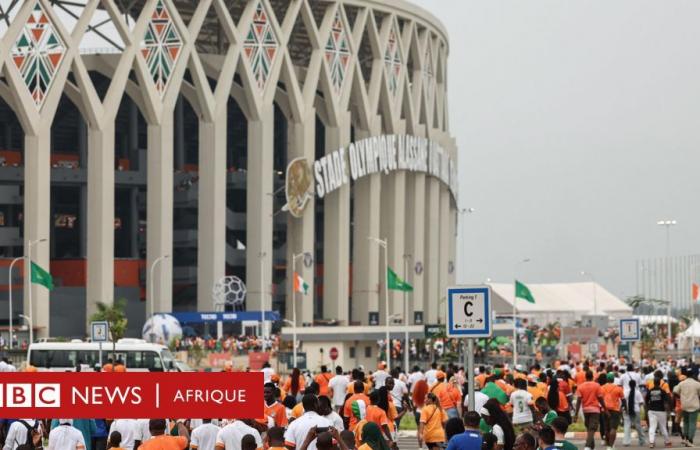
513,408
235,345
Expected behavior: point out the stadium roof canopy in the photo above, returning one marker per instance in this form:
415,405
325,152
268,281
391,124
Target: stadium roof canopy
560,298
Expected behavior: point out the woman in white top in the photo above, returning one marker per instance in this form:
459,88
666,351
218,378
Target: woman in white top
632,414
325,410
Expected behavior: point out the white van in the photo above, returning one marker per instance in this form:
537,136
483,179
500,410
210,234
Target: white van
137,355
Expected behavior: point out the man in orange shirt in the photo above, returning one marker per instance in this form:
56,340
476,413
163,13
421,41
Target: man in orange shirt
613,396
273,408
161,441
378,415
481,378
442,392
347,407
590,396
322,380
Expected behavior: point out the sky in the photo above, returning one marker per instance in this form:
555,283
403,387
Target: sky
578,125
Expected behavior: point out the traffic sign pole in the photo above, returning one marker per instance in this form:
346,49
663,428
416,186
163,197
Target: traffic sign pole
469,317
470,373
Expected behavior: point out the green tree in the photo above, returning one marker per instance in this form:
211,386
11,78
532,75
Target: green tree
116,320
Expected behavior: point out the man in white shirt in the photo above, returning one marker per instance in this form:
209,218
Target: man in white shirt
521,400
631,374
230,436
479,400
267,372
298,430
17,434
66,437
338,386
399,393
130,431
380,376
431,375
203,437
416,375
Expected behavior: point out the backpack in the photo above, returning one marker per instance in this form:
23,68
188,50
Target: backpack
29,441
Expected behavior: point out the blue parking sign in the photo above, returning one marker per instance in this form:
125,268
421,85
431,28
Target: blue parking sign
469,312
629,330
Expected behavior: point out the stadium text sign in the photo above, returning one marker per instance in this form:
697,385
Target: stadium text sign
131,395
385,154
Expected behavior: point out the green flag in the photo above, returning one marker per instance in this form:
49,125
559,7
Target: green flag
521,291
397,284
42,277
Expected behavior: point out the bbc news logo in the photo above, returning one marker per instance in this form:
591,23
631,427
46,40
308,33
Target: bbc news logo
132,395
26,395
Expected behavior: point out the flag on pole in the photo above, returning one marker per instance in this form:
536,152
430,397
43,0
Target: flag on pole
397,284
300,285
696,292
42,277
522,291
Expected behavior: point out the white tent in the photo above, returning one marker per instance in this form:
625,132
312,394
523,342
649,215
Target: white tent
693,330
563,302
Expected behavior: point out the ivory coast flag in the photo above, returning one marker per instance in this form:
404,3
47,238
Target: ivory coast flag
696,292
300,285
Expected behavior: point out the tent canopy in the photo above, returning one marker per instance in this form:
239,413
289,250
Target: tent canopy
693,330
576,298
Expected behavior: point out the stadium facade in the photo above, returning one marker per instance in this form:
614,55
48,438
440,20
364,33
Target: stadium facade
146,150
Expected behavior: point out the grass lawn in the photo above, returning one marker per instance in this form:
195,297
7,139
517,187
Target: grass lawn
408,422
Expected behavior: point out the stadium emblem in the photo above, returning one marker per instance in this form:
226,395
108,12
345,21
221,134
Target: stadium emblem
298,187
419,268
229,290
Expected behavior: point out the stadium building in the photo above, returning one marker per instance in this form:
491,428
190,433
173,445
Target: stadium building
150,148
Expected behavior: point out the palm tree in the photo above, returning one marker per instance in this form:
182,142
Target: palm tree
638,301
116,320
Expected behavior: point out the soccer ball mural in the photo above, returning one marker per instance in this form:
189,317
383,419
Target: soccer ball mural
229,290
161,328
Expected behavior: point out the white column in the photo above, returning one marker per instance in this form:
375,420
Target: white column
393,214
160,212
415,239
432,250
37,222
211,222
259,207
300,231
336,234
445,252
100,218
452,242
365,261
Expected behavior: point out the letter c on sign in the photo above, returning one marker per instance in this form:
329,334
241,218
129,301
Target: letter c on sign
467,312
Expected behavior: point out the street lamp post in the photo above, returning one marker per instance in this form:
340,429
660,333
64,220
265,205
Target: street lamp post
152,281
9,283
406,259
383,243
667,224
31,326
469,350
515,317
28,270
294,302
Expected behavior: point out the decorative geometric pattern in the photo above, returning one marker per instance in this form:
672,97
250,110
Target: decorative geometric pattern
161,46
338,53
260,46
429,74
37,53
393,61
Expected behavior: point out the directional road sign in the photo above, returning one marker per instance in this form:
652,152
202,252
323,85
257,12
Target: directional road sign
629,330
100,331
469,311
